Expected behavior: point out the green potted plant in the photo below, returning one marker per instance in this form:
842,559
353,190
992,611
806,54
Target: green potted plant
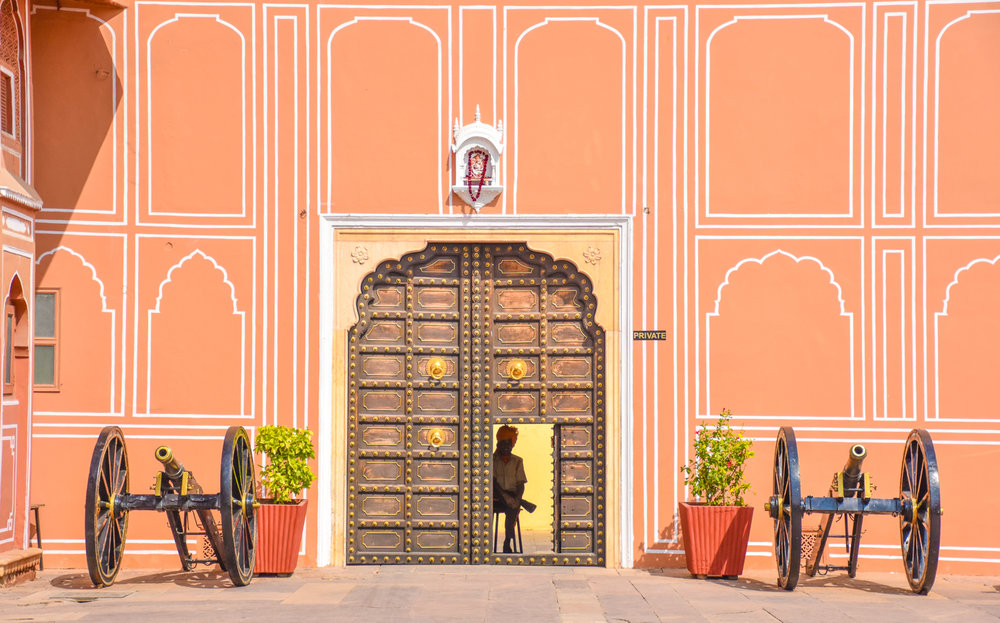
281,515
716,526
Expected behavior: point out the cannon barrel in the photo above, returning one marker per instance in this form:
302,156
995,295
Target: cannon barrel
171,466
852,469
174,469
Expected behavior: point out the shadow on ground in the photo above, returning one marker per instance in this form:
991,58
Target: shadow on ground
203,579
741,582
844,581
838,581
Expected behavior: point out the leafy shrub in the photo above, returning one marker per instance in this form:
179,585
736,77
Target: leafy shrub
715,474
287,473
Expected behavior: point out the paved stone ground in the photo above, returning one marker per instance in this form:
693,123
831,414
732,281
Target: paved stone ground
485,594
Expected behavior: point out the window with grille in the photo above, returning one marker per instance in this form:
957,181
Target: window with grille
11,56
6,104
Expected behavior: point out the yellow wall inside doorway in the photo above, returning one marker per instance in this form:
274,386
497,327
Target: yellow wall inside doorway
534,445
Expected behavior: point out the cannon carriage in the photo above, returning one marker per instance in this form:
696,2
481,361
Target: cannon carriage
231,540
918,508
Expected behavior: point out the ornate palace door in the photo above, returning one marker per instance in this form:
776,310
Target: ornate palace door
451,341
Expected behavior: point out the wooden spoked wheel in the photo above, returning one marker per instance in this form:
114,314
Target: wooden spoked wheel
787,497
237,506
106,521
920,521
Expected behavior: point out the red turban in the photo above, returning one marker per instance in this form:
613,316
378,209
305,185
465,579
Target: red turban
507,432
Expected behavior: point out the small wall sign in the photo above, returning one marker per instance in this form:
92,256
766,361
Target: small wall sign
649,335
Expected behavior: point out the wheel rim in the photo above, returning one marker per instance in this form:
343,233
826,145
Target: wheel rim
788,523
106,521
919,527
239,515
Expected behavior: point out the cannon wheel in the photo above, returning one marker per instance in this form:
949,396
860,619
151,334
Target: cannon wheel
106,521
788,525
920,529
238,513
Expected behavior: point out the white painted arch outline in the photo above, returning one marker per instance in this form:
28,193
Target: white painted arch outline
103,25
708,100
149,118
937,111
936,415
702,218
707,411
243,348
517,82
104,309
329,101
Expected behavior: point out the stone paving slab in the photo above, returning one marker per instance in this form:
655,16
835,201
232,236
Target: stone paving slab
483,594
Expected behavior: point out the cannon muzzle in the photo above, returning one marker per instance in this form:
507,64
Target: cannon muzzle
852,469
171,466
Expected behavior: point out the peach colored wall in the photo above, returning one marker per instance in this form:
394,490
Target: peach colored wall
812,187
17,274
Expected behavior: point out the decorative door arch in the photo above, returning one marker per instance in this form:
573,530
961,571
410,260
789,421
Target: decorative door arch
450,341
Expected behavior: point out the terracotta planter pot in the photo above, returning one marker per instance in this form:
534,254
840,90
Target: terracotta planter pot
715,538
279,536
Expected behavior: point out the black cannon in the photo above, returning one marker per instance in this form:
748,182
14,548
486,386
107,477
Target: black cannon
918,508
231,541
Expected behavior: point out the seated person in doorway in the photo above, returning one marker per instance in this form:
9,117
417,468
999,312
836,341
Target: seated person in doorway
508,483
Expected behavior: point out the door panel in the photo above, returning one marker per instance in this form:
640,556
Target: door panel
545,354
450,341
407,442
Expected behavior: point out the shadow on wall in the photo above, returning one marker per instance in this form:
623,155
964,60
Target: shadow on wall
77,92
666,538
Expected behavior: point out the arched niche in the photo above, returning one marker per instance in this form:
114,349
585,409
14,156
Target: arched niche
779,341
778,118
968,127
85,335
197,343
77,91
199,130
570,110
968,339
384,151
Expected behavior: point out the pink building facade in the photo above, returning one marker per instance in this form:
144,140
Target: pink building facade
802,195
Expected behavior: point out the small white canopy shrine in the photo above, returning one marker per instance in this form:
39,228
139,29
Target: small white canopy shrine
477,150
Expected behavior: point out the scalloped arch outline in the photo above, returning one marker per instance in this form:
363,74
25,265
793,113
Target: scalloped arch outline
218,267
83,260
797,260
957,276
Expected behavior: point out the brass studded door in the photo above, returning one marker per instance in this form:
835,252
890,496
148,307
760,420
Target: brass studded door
450,341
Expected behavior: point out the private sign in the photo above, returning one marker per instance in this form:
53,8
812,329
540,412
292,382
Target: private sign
649,335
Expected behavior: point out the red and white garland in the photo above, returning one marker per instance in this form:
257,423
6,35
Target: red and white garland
476,170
